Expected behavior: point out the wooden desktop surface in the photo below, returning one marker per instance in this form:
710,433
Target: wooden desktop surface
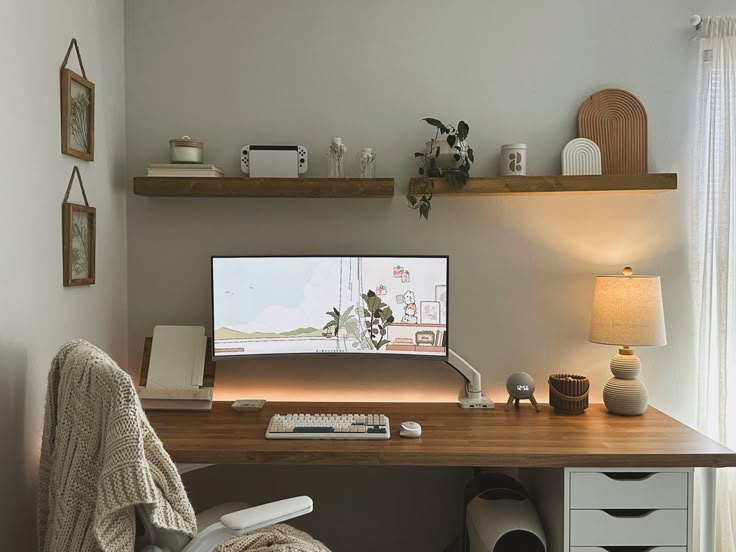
451,437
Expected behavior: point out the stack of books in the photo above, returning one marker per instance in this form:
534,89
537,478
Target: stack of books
193,170
440,338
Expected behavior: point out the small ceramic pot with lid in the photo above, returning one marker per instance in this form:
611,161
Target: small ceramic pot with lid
513,160
186,150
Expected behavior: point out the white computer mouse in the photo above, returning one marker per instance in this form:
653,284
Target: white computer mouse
410,429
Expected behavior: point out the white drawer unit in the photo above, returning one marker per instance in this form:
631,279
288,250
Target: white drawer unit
637,490
628,528
629,549
614,509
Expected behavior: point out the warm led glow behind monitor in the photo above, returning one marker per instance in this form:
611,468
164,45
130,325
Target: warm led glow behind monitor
370,305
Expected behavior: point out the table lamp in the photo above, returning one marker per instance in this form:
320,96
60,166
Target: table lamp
627,311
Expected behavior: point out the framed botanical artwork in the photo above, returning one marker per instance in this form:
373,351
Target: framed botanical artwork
77,110
429,312
78,237
440,294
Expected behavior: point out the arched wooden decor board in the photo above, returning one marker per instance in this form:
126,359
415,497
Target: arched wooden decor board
581,156
616,121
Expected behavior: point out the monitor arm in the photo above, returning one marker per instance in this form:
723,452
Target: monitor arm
473,396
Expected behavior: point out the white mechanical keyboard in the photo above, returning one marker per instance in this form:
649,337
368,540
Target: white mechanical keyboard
328,426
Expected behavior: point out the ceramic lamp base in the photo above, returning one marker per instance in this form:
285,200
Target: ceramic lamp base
625,394
625,397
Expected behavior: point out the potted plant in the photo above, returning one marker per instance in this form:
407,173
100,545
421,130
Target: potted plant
447,155
377,318
333,325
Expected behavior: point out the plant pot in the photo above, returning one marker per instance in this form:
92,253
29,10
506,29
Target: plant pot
568,393
446,158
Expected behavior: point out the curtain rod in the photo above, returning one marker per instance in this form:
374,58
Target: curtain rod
695,21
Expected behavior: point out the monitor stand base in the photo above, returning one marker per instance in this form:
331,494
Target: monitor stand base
482,402
473,395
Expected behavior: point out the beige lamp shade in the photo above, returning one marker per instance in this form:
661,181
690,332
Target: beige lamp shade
627,310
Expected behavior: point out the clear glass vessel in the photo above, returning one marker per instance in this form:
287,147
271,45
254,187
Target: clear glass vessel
367,163
336,159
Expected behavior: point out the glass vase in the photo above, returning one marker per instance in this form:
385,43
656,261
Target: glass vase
367,163
336,159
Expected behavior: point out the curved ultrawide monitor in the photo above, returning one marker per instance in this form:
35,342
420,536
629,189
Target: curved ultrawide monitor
371,305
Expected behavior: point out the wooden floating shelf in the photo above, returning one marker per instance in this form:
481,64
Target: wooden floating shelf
264,187
544,184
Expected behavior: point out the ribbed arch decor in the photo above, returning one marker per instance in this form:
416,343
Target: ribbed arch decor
617,121
581,156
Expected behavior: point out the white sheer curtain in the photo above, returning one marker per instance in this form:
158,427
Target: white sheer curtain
714,255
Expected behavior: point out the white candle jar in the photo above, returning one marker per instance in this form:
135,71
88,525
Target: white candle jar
185,150
513,160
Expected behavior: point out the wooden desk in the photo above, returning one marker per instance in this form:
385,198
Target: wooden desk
451,437
456,437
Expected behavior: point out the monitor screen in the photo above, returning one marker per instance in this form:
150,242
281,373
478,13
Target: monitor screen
376,305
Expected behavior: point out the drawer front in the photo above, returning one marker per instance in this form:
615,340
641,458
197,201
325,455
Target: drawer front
640,490
629,549
652,528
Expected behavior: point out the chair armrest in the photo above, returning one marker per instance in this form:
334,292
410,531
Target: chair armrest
267,514
248,519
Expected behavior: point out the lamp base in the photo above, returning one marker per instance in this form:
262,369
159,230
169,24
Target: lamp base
625,394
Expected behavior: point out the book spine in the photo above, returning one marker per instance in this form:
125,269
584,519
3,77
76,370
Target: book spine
183,173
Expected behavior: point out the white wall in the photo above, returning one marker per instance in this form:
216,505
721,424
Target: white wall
37,315
233,72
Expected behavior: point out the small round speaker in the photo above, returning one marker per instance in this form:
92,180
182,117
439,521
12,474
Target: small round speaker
520,385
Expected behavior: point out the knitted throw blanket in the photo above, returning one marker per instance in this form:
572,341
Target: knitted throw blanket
99,458
274,538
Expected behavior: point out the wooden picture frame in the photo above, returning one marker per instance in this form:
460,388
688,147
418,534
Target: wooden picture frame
79,230
440,294
429,312
77,110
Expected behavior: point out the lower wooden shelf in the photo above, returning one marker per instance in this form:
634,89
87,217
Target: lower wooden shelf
543,184
414,348
264,187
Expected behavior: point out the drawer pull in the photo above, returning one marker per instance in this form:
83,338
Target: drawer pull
629,476
628,513
627,548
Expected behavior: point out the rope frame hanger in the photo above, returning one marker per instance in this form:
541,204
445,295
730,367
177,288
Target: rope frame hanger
75,172
73,44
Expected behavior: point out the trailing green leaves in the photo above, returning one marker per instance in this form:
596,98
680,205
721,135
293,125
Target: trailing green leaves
436,123
462,130
456,177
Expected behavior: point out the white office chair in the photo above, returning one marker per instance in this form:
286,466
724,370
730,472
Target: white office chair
212,533
82,379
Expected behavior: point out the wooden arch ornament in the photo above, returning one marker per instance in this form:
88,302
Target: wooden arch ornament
617,121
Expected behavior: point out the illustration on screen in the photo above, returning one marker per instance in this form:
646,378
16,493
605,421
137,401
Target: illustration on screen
288,305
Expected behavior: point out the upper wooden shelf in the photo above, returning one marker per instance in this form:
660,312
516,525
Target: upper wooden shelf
537,184
263,187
